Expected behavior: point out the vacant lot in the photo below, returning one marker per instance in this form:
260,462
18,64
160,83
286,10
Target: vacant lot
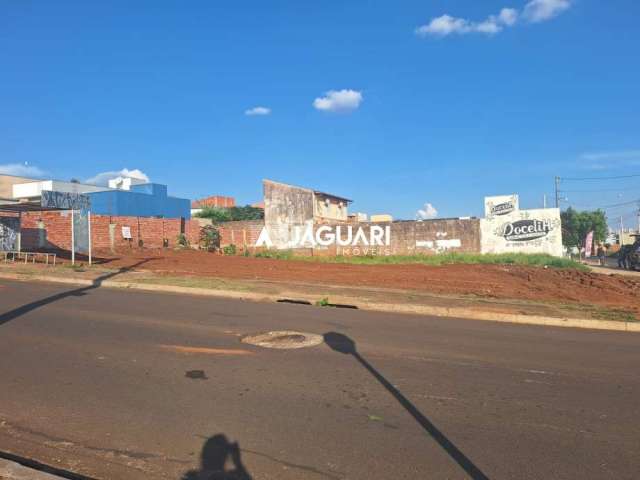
493,281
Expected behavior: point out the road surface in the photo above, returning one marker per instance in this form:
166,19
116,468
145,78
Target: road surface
128,385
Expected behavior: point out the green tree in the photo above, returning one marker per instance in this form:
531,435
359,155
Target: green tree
230,214
577,224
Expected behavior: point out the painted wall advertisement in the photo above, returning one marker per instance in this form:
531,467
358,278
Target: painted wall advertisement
501,205
523,231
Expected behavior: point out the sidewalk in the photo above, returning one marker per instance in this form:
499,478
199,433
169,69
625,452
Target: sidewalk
577,315
611,268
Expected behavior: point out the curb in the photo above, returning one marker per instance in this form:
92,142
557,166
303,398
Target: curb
14,471
457,312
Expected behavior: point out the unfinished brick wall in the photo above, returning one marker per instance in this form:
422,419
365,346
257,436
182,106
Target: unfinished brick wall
241,234
52,231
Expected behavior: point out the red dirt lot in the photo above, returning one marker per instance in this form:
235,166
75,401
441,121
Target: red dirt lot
494,281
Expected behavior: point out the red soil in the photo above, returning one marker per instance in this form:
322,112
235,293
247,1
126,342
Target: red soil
496,281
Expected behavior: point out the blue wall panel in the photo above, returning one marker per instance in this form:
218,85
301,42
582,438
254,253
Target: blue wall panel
148,200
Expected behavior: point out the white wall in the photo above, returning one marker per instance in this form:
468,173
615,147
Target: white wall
523,231
34,189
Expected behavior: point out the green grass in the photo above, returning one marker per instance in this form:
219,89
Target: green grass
539,260
277,254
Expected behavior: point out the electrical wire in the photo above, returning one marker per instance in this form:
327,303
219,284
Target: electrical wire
578,179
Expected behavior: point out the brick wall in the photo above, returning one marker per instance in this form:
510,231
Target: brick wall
52,230
214,201
241,233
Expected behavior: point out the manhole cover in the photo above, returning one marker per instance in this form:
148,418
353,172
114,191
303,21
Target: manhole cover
283,339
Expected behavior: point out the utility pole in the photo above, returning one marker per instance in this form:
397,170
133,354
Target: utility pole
557,192
544,200
621,238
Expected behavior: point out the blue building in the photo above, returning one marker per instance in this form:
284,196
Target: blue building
124,197
142,200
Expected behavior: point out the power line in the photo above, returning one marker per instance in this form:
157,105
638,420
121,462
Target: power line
599,190
598,178
637,201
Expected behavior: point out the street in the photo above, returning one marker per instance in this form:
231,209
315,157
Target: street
130,385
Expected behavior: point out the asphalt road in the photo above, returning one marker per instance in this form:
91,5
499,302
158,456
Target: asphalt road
94,381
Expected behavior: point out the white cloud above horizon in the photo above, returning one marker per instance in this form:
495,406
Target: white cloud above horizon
541,10
22,170
340,101
102,179
534,11
257,111
610,159
427,212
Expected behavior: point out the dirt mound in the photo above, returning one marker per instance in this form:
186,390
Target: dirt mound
496,281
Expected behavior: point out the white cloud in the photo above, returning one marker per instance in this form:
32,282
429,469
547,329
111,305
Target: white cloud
618,155
541,10
102,179
444,25
426,212
339,101
22,170
535,11
613,159
448,25
508,16
256,111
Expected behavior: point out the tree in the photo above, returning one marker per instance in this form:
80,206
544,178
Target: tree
231,214
576,225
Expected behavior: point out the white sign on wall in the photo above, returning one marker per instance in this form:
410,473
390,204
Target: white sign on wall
501,205
126,233
524,231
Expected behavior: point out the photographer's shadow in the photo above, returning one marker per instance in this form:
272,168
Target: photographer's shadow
219,460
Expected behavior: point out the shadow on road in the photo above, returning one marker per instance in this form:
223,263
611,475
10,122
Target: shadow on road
77,292
343,344
219,460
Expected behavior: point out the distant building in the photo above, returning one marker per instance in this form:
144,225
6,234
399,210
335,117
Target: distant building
358,217
134,198
382,217
290,204
213,201
288,208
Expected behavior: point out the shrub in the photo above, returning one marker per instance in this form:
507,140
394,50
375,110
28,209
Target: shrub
209,238
229,249
181,240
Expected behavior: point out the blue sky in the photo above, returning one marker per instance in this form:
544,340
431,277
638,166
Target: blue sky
439,102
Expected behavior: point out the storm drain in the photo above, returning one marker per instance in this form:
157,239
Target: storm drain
284,339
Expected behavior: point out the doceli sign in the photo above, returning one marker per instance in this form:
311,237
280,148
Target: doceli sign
506,228
525,230
500,205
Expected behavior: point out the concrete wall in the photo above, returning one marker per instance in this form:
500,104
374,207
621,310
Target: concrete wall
523,231
427,237
35,189
405,238
286,207
7,182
